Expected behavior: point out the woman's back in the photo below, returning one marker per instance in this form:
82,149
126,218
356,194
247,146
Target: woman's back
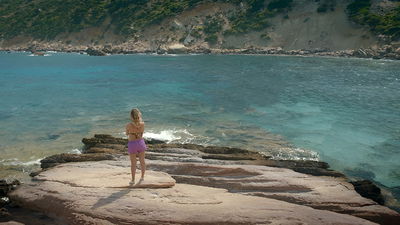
135,131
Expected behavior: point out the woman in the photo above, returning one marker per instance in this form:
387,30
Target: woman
136,145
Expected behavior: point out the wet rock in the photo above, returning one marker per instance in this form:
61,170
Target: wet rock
228,157
107,143
34,173
6,187
369,190
153,141
4,214
360,173
103,139
36,53
65,157
4,201
95,52
103,150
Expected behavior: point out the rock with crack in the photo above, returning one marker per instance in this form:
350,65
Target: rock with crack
103,175
95,193
319,192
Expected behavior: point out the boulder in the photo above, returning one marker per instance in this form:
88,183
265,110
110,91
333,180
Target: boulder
66,157
95,52
369,190
177,49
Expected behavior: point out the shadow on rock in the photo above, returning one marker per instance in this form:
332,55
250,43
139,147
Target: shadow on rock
107,200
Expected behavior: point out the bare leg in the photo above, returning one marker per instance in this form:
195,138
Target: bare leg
142,163
133,165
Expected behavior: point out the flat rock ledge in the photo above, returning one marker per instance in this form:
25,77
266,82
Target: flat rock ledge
184,186
96,175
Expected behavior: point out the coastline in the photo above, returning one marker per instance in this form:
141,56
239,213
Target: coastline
184,162
390,52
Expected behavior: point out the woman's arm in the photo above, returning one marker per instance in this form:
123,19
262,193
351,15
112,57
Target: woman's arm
127,129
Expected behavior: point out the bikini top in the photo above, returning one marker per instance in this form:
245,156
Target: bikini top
136,134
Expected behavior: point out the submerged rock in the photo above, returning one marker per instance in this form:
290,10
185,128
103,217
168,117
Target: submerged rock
369,190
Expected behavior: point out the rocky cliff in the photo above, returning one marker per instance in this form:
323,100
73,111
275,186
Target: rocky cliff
204,26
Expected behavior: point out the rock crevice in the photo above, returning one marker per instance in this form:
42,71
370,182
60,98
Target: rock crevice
183,186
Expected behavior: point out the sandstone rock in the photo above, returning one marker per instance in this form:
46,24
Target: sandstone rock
86,193
188,153
328,193
177,49
11,223
216,167
103,175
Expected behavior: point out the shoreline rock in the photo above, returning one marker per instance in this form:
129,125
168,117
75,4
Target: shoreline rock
383,52
242,178
5,188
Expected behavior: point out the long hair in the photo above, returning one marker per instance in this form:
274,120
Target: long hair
136,115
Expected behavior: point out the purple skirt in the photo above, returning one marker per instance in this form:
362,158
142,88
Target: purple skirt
136,146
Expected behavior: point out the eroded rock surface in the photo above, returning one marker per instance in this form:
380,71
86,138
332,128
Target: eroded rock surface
72,192
103,175
214,185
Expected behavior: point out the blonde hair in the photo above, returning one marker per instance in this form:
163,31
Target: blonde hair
136,115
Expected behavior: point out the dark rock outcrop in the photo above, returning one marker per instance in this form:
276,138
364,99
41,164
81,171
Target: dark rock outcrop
95,52
369,190
5,187
65,157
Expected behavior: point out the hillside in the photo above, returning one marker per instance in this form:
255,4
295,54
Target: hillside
151,25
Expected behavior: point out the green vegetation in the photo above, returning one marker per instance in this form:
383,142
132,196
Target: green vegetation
212,26
326,5
280,5
212,39
256,16
265,37
45,19
389,24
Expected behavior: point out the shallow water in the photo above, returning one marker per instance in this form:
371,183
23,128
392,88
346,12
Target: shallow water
342,111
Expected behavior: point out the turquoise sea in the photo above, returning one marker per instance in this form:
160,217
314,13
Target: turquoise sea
339,110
